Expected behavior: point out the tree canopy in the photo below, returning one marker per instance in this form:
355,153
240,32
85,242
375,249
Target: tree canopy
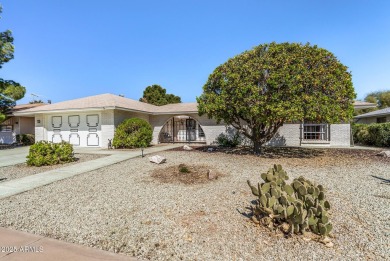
157,95
259,90
382,98
10,91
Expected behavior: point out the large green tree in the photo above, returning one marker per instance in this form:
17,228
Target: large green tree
259,90
10,91
157,95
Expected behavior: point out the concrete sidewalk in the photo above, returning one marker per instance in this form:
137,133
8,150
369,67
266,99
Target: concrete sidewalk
17,186
18,246
13,156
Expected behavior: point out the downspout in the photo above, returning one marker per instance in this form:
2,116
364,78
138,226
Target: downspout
173,129
351,135
300,134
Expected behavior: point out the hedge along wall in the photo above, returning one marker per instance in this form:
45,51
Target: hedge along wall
376,134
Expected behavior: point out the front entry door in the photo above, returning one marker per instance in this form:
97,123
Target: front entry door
190,129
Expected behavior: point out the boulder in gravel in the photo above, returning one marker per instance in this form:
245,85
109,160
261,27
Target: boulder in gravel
385,153
186,147
157,159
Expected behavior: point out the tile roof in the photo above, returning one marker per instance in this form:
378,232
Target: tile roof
382,112
21,107
113,102
176,107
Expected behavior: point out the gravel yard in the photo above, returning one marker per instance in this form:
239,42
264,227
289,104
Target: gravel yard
22,170
124,208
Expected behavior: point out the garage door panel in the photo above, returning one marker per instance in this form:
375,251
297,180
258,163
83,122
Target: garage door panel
56,138
74,139
92,120
93,139
56,121
74,121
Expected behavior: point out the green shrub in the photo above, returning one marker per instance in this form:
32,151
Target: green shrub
183,168
230,139
46,153
25,139
295,208
376,134
133,133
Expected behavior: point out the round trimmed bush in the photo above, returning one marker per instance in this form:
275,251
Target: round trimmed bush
47,153
133,133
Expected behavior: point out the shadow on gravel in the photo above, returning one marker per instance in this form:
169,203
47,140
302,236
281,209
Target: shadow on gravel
383,181
267,152
245,214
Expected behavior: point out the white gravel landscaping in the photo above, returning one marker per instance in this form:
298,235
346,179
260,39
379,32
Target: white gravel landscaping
22,170
123,208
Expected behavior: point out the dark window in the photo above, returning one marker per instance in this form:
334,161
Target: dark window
381,120
315,131
6,128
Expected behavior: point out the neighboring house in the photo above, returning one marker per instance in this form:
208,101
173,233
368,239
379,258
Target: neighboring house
91,122
379,116
363,105
15,125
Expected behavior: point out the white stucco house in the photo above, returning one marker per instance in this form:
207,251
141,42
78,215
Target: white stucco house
91,122
379,116
15,125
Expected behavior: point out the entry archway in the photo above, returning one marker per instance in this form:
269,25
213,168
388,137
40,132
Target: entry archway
182,128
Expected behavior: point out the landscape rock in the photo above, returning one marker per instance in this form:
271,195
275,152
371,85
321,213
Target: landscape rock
385,153
186,147
157,159
211,174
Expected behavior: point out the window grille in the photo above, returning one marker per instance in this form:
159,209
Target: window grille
315,132
6,128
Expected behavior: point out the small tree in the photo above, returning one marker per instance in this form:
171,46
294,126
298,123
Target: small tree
133,133
157,95
259,90
10,91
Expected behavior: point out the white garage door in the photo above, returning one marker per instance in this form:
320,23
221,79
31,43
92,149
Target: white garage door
79,130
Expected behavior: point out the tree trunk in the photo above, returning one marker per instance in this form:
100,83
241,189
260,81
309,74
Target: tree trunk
256,147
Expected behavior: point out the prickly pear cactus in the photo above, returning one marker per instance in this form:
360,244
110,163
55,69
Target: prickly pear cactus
294,208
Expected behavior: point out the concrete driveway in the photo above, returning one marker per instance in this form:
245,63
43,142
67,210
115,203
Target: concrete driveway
13,156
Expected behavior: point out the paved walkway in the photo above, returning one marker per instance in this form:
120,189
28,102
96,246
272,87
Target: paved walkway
17,186
18,246
13,156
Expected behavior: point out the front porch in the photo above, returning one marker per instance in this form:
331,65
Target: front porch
182,129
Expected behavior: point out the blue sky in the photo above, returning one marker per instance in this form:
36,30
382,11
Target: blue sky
76,48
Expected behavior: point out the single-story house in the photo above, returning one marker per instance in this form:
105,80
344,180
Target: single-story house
379,116
15,125
363,105
91,122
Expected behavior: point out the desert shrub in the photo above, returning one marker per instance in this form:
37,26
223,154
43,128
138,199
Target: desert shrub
183,168
376,134
25,139
133,133
295,208
46,153
230,139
